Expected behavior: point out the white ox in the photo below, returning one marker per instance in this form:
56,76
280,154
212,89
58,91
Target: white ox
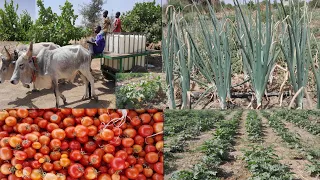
8,61
51,65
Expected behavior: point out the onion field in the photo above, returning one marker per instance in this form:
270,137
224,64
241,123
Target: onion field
246,144
260,55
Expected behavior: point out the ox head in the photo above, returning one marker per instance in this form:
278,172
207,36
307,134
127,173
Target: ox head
24,68
7,65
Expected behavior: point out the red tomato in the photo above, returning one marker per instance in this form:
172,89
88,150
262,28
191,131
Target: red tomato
24,128
135,121
76,170
91,112
121,154
70,132
127,142
46,166
141,177
148,172
131,160
83,140
87,121
44,140
35,164
90,146
11,121
157,176
93,130
90,173
66,111
52,126
75,155
108,158
145,118
106,134
58,134
22,113
158,167
104,176
132,173
158,127
152,157
6,153
54,118
108,148
150,148
47,115
69,121
94,159
43,123
30,152
117,131
105,118
55,144
74,145
84,160
139,140
117,164
130,132
81,131
145,130
78,112
33,113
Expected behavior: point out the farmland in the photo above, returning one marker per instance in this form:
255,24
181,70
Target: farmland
281,144
241,56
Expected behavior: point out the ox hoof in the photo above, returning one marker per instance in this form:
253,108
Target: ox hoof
35,90
85,97
26,86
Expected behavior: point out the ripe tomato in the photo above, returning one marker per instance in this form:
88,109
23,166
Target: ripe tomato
87,121
33,113
58,134
66,111
36,174
135,121
24,128
70,132
93,130
74,145
145,130
45,149
127,142
148,172
158,117
78,112
54,118
68,121
139,140
105,118
145,118
76,170
65,162
137,148
90,173
3,115
117,163
157,176
152,157
121,154
55,144
5,168
158,167
91,112
106,134
22,113
108,148
139,167
43,123
31,137
44,140
158,127
117,131
46,166
6,153
64,145
152,111
150,148
94,159
90,146
47,115
141,177
75,155
83,140
11,121
52,126
104,176
35,164
130,132
84,160
108,158
81,131
132,173
20,155
15,141
131,160
55,155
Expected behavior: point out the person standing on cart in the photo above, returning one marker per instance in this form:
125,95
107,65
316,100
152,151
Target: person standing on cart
97,44
106,23
117,23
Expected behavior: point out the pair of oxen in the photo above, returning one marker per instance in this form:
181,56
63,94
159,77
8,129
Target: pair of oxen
43,64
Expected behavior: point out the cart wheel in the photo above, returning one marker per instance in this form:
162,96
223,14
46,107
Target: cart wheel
139,69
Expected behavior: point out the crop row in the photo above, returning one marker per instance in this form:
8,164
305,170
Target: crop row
264,164
254,127
301,120
216,151
294,142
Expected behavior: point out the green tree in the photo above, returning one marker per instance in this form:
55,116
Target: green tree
25,25
314,3
65,26
44,28
9,22
91,13
145,18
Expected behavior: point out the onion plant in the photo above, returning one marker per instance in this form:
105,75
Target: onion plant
294,45
316,69
215,64
257,40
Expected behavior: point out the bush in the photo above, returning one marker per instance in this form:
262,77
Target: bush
145,18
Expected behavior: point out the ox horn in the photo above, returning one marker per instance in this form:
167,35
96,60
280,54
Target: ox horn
8,54
29,53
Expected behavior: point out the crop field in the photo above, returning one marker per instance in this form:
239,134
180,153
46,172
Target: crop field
281,144
141,90
243,56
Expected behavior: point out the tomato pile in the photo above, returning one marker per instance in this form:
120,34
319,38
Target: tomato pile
69,144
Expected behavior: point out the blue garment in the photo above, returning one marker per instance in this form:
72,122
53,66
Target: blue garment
100,41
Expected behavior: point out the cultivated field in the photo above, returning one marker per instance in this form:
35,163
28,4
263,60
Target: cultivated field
239,145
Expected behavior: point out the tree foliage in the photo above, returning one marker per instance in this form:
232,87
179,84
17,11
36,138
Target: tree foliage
145,18
91,13
49,26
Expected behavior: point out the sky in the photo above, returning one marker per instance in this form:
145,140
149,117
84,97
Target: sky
111,5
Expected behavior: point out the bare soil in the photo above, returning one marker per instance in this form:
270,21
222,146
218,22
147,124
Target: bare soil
13,96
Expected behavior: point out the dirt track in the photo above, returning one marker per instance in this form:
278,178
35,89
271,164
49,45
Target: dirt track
17,96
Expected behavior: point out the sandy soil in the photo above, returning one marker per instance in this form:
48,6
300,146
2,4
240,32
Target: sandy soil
17,96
